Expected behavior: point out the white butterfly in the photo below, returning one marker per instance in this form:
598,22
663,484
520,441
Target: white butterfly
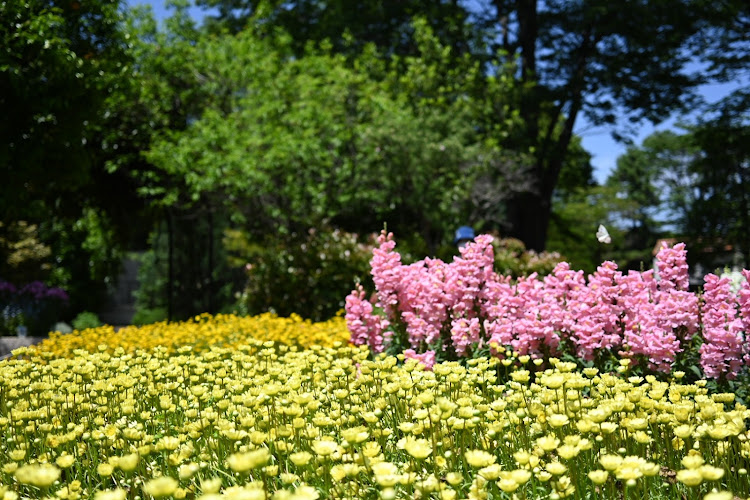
602,235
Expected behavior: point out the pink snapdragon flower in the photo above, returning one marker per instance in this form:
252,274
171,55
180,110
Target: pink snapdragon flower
427,358
671,264
466,276
365,327
722,352
743,298
464,333
635,314
386,272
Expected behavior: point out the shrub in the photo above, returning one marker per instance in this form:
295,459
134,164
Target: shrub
62,327
34,305
146,316
86,320
306,274
512,259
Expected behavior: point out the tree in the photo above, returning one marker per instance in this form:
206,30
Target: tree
720,209
615,63
656,176
58,62
602,60
323,142
695,185
386,24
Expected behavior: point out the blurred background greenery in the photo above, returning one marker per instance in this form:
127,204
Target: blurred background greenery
245,157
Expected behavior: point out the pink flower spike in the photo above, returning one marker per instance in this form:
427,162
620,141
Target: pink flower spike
426,359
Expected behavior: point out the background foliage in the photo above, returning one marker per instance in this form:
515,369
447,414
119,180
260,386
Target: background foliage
275,117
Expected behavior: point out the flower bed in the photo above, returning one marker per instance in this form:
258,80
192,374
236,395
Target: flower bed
201,332
463,309
265,420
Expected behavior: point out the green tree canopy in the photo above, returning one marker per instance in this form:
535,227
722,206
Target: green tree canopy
695,185
616,63
307,139
58,61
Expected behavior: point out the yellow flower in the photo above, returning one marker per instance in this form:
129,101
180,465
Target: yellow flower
692,461
598,415
719,495
371,449
520,476
548,442
720,432
453,478
554,381
558,420
690,477
610,462
160,487
520,376
641,437
116,494
388,494
384,468
355,435
243,462
491,472
608,427
567,451
305,492
507,485
65,461
105,469
637,424
271,470
301,458
543,476
556,468
244,493
186,471
598,476
479,458
338,473
129,462
650,469
325,448
522,457
590,372
418,448
211,485
40,475
711,473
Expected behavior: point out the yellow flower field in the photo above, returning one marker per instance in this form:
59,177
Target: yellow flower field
201,332
269,421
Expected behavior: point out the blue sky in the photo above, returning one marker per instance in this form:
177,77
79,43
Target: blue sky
597,141
605,150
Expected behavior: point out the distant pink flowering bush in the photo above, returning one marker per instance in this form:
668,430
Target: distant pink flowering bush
437,310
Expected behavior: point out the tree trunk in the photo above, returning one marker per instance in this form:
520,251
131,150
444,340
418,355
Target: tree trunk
529,214
170,265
